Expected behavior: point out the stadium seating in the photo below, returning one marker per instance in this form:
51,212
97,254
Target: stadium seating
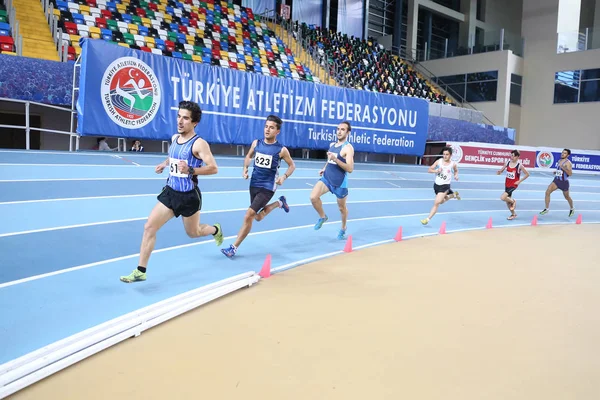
7,44
210,32
369,66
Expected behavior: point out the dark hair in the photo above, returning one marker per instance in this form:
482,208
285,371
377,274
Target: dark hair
193,107
276,119
568,151
448,149
515,153
348,125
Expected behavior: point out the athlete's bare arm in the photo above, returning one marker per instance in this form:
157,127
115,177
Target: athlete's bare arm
285,155
202,151
502,169
525,175
322,171
455,171
160,167
433,167
248,158
348,154
567,167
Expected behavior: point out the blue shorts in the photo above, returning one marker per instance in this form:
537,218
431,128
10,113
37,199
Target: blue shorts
339,192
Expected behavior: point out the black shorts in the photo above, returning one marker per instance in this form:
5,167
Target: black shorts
442,188
182,203
259,198
510,190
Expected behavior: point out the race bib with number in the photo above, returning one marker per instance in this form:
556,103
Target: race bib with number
559,173
174,168
510,175
263,160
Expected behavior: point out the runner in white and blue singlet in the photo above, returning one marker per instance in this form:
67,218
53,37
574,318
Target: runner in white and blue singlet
267,154
340,162
564,169
444,168
189,156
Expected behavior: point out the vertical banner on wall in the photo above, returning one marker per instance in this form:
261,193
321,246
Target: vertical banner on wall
350,17
259,6
308,11
133,94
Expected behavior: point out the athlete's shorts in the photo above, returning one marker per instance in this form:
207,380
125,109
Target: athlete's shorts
182,203
510,190
259,198
339,192
562,185
442,188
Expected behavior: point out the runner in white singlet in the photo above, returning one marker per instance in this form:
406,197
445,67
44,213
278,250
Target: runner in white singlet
444,168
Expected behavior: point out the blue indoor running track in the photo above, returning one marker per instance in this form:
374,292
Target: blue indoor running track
72,223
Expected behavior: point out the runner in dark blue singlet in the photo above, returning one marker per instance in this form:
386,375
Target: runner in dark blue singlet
564,170
340,162
189,156
267,154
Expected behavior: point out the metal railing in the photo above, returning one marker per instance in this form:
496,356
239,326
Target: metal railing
14,27
27,127
74,138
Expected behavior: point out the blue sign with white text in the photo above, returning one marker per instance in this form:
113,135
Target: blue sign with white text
133,94
581,162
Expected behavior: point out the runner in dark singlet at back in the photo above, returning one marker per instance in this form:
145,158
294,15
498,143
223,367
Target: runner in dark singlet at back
564,170
267,154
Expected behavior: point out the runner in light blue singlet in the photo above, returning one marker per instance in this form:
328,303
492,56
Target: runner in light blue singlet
340,162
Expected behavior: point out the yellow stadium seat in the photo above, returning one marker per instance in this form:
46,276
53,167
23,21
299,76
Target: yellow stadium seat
95,32
146,22
197,58
133,29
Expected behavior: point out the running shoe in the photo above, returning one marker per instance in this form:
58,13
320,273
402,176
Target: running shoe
320,223
218,236
230,251
136,275
425,221
457,195
284,204
341,234
544,211
571,213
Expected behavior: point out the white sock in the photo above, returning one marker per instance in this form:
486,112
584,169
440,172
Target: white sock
280,203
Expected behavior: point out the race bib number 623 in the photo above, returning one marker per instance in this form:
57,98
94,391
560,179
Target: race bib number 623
263,160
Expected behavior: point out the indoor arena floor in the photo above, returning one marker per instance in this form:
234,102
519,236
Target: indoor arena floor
72,224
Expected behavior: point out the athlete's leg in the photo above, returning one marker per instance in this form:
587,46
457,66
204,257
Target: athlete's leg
569,199
551,188
246,227
265,211
159,216
315,197
195,229
440,199
508,200
343,211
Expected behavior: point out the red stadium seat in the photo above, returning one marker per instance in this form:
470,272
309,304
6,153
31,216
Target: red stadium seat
6,43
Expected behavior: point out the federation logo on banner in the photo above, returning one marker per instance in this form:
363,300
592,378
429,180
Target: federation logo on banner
130,93
545,159
457,153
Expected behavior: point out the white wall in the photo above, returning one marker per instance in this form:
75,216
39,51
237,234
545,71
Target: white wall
503,14
542,121
502,61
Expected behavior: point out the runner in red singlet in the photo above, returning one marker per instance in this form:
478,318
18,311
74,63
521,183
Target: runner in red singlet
514,169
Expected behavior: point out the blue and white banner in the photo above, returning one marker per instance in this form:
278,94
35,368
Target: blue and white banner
548,159
133,94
